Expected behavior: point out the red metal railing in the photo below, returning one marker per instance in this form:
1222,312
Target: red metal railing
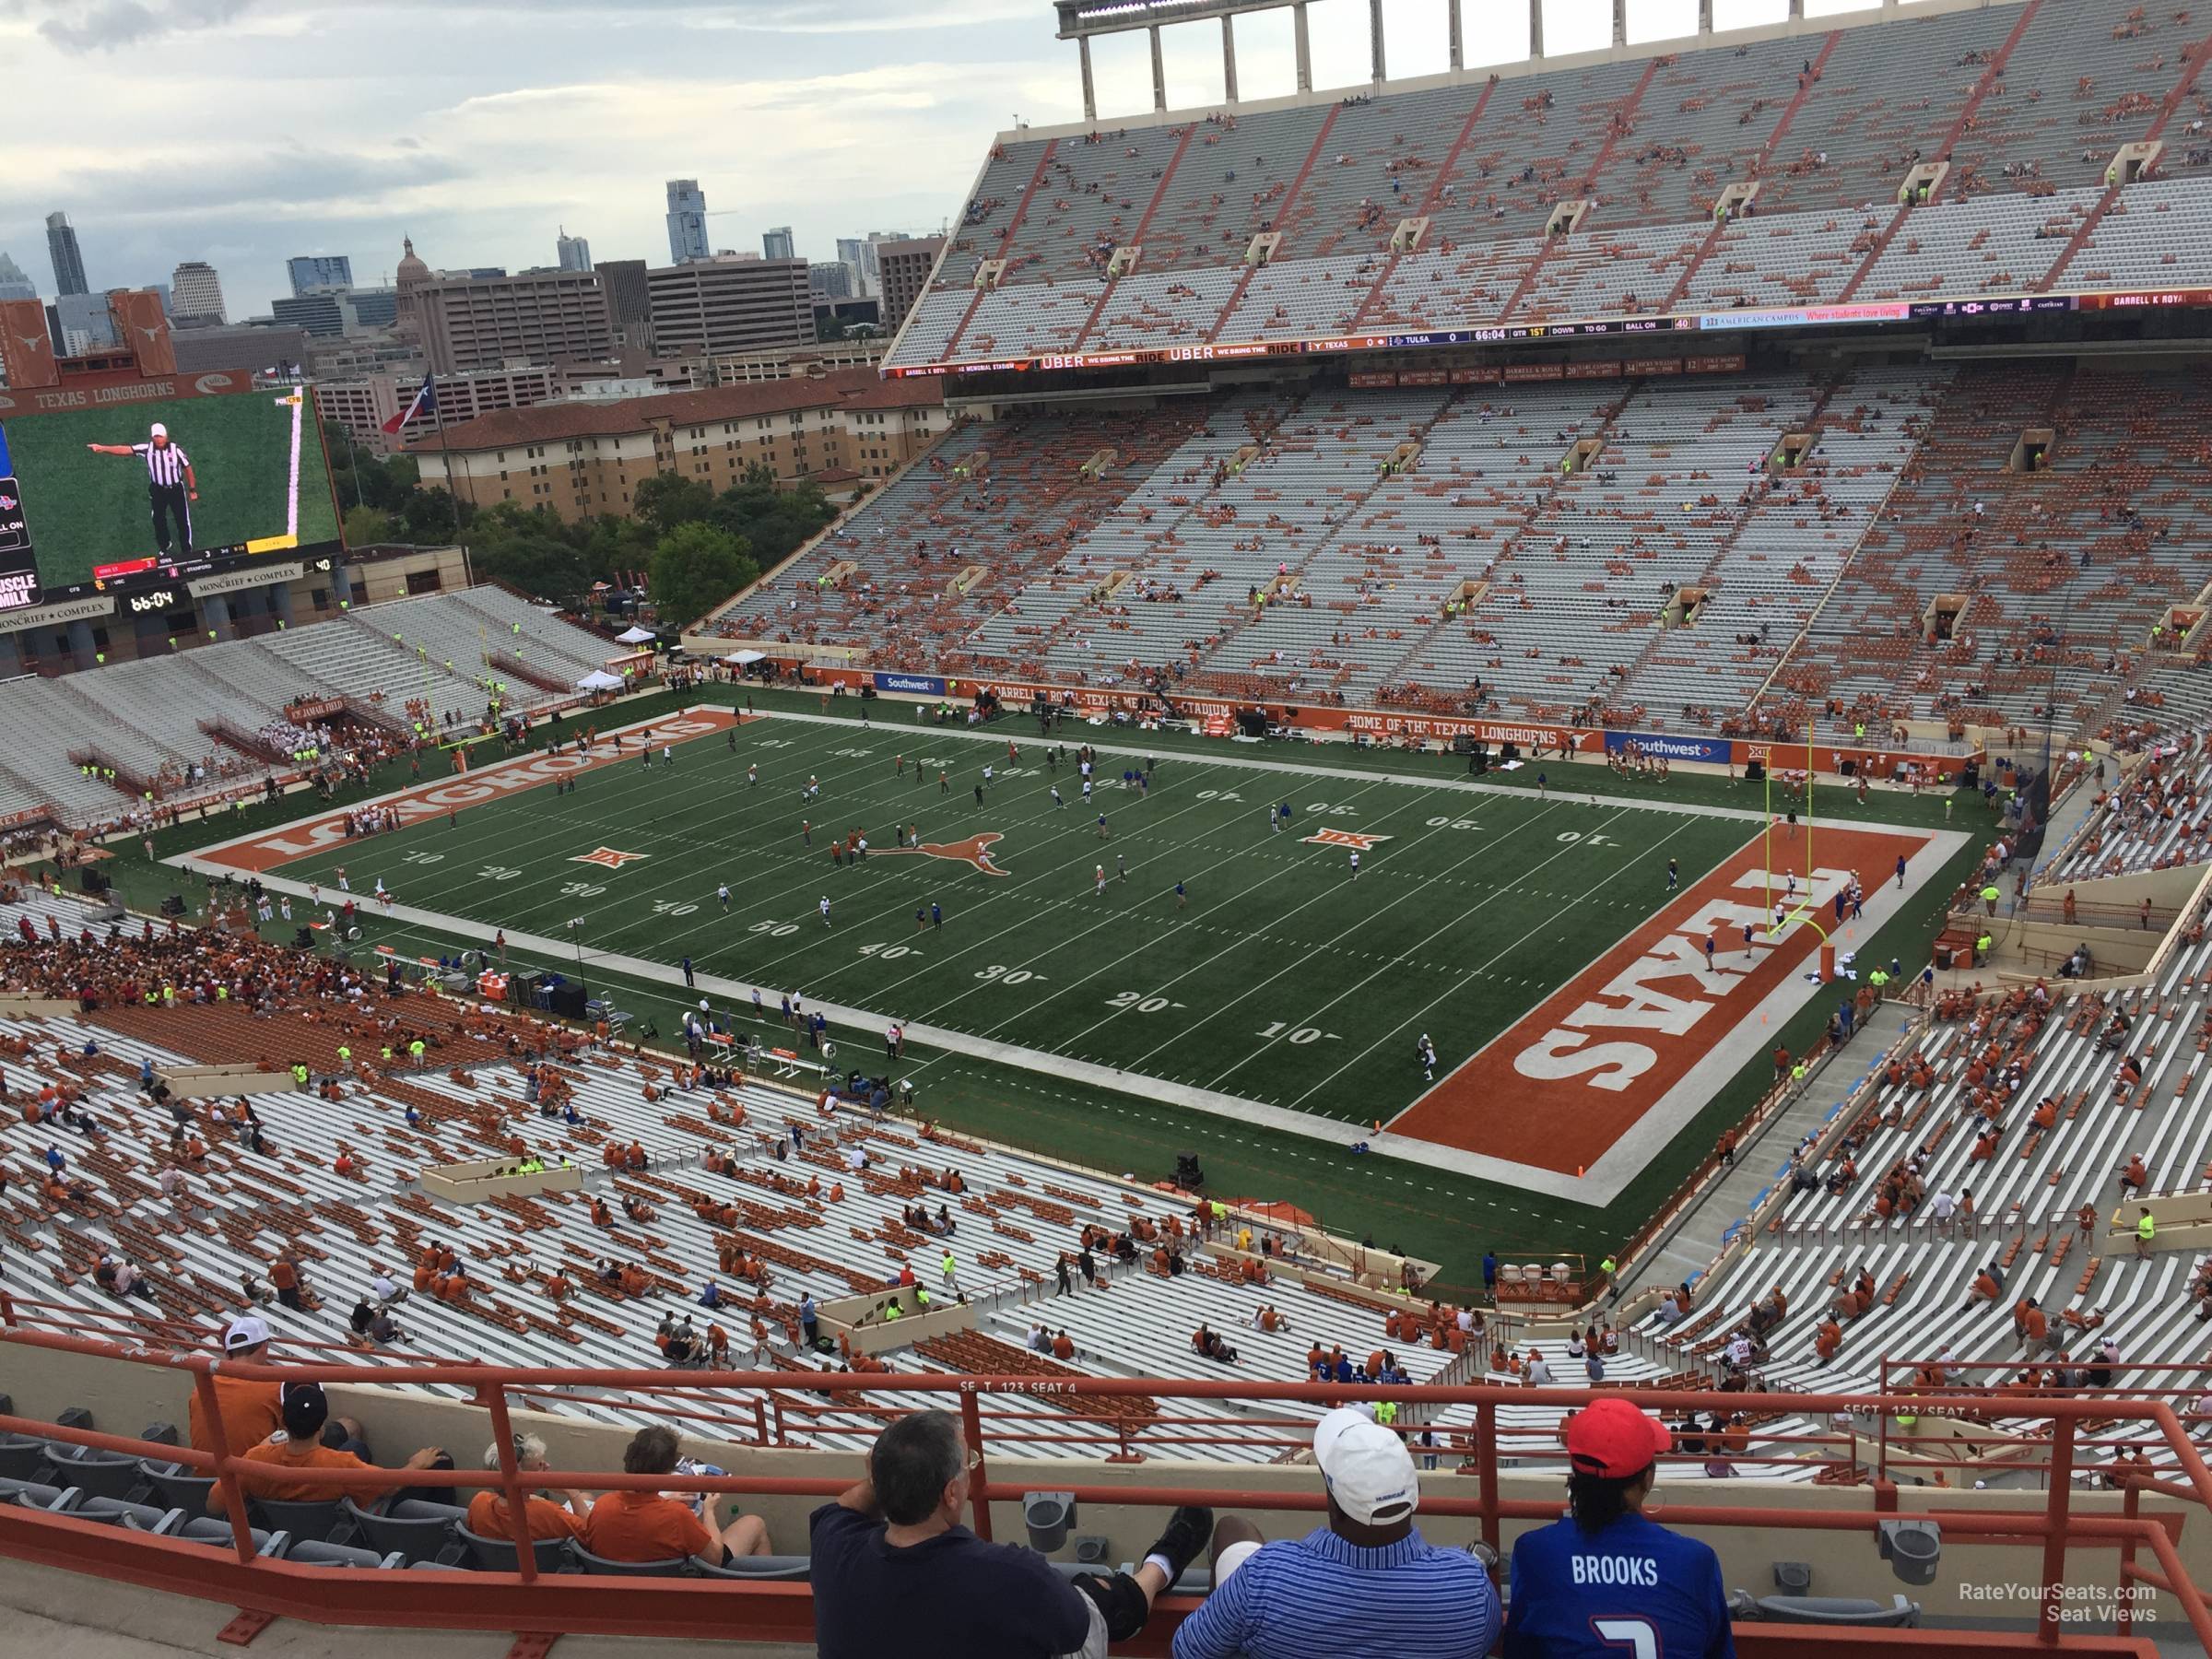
527,1600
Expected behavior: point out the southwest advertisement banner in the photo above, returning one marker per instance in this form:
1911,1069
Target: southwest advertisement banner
1662,746
913,685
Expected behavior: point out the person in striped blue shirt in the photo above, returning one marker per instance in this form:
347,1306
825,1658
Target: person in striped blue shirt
1606,1580
1367,1582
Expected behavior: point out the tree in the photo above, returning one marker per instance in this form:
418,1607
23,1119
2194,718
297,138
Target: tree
695,568
547,566
775,521
668,499
428,516
365,526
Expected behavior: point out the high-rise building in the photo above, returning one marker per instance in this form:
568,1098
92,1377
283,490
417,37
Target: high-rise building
68,260
686,220
776,243
853,251
628,300
14,285
574,253
195,293
313,271
80,322
718,305
322,313
831,280
468,323
902,268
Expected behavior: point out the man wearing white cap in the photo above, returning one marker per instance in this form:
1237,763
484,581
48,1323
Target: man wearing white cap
171,486
1367,1582
250,1411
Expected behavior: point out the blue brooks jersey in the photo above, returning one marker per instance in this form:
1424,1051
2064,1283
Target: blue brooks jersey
1634,1591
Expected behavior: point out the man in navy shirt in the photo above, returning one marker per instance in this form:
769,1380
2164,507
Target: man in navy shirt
1605,1580
895,1571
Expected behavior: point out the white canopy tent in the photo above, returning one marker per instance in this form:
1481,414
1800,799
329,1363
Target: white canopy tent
599,679
635,636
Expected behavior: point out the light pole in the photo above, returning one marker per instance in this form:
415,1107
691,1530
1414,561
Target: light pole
575,926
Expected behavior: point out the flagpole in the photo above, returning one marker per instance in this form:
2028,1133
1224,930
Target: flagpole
446,453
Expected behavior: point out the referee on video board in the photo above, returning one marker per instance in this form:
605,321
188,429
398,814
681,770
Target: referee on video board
171,486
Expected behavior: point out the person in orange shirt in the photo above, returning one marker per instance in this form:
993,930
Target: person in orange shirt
284,1278
249,1411
1828,1339
488,1516
1064,1347
651,1526
299,1446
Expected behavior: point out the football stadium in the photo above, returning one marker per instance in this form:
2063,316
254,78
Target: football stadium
1516,805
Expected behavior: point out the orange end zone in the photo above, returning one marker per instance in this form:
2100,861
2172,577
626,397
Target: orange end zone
1593,1058
472,786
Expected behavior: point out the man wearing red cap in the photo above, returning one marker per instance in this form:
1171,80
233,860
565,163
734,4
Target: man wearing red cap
1606,1580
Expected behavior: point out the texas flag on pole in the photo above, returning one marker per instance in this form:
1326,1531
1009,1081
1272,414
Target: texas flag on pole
426,403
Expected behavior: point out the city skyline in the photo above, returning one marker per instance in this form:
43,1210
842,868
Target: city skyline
528,119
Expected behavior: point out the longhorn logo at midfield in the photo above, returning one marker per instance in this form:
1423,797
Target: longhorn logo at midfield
975,850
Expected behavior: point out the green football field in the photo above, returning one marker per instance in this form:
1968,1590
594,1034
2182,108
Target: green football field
87,510
1467,895
1281,978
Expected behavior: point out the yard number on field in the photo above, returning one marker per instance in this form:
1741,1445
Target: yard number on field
1126,1000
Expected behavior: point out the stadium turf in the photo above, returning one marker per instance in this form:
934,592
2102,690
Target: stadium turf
87,510
1444,1217
1282,977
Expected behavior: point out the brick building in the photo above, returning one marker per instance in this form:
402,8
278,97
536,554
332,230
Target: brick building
583,460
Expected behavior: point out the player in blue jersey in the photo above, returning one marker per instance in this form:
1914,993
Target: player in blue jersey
1605,1581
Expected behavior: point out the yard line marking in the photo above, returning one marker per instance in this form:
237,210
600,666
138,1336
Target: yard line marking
1499,956
1482,849
1108,921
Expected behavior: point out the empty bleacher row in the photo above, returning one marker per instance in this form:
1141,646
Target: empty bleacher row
1951,1169
156,719
2022,111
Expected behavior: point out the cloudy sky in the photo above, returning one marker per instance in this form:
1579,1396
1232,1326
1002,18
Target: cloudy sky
244,131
